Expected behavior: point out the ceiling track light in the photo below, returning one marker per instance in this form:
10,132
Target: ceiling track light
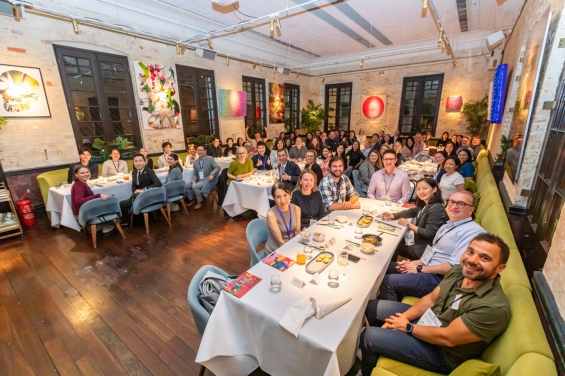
381,73
178,49
454,63
425,4
362,63
75,26
279,25
254,65
272,25
16,12
274,69
210,44
440,38
182,49
261,67
227,60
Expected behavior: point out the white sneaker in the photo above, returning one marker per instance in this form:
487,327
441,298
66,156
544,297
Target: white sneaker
106,227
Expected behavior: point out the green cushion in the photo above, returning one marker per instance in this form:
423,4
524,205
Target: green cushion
514,274
533,364
524,334
182,156
476,367
470,185
495,221
400,369
51,179
489,197
378,371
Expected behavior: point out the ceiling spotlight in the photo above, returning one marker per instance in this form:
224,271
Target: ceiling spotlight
297,74
261,67
440,38
323,79
425,4
279,25
454,63
274,69
17,10
362,63
381,73
178,49
75,26
227,60
182,49
442,43
272,25
254,65
210,44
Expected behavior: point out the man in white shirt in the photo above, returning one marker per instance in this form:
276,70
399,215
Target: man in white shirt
395,138
167,148
420,277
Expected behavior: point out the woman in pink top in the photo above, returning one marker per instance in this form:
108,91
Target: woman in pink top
418,144
325,165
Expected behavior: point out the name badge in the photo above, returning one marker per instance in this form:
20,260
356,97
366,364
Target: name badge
312,222
427,256
201,175
455,304
429,319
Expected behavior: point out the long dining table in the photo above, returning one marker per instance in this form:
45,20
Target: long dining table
244,333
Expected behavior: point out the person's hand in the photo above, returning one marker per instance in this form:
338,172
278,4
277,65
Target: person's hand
239,177
388,216
138,191
408,268
104,197
299,160
386,325
246,129
269,161
347,205
403,222
259,162
398,322
211,177
400,265
286,176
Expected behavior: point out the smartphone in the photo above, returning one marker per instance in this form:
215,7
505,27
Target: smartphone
353,258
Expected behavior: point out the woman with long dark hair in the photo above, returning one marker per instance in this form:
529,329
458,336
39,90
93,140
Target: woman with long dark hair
340,152
283,219
175,168
430,214
351,139
450,148
370,165
278,143
355,155
444,139
467,170
230,148
408,149
440,157
240,142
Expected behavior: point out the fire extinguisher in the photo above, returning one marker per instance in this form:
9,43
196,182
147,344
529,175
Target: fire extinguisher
26,211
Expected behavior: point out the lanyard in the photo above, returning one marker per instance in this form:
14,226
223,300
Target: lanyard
384,181
116,167
443,307
289,227
201,164
263,162
453,228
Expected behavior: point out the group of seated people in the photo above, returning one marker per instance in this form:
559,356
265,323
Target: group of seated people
450,262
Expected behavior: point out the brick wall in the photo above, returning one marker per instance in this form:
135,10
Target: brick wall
555,264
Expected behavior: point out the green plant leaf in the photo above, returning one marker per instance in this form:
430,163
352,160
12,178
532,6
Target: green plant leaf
144,69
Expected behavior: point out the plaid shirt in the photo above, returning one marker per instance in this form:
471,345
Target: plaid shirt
333,192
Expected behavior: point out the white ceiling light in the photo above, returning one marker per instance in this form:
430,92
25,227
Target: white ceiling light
223,2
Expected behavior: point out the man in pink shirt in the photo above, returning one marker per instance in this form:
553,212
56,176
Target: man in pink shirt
389,183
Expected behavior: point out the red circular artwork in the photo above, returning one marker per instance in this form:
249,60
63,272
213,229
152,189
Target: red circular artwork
373,107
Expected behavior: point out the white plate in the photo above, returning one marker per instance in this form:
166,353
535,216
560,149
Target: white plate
341,219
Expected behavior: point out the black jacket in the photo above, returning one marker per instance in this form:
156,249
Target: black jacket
293,171
147,179
214,152
93,167
265,165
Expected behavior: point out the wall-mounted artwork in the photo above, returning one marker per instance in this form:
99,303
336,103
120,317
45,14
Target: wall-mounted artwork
232,102
498,93
454,103
276,103
373,106
22,93
158,96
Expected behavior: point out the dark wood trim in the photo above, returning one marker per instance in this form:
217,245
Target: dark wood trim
419,99
508,205
254,100
552,321
337,105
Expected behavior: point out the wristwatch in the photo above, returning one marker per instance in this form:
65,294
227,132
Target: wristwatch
408,227
409,328
419,268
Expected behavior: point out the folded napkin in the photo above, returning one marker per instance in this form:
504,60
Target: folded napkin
297,314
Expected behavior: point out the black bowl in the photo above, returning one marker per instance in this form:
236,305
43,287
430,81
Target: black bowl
378,241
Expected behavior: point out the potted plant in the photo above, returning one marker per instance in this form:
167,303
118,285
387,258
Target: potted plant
104,148
476,113
313,116
3,122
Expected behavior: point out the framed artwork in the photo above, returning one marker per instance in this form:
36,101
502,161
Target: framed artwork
22,93
373,106
158,97
454,103
276,103
232,102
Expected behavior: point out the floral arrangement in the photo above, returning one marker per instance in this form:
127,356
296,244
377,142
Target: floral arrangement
500,157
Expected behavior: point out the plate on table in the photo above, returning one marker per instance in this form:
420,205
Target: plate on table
341,219
319,263
365,221
372,239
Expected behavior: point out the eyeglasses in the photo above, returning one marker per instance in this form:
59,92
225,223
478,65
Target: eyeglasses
459,204
241,153
389,159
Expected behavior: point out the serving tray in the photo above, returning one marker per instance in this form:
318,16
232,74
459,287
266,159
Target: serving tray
364,225
314,266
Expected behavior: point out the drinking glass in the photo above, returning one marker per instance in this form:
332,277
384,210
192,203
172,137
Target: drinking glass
331,221
333,279
358,232
276,283
342,258
365,209
308,252
399,203
300,257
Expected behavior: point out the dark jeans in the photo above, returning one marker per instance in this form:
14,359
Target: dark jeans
376,341
397,285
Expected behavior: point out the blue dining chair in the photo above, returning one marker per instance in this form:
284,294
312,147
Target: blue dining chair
175,192
199,314
148,201
98,211
357,183
257,232
348,172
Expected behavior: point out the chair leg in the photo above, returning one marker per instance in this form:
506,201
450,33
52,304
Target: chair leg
93,231
165,215
131,220
117,223
202,370
184,205
169,210
146,219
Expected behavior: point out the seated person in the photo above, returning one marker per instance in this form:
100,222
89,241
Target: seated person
467,170
308,198
389,183
84,156
476,145
469,303
204,178
142,179
288,170
418,278
297,153
215,148
250,149
241,167
513,154
80,191
451,181
230,150
192,156
440,157
465,141
430,216
175,169
366,148
167,148
278,143
354,155
144,152
283,219
337,191
261,161
370,165
312,165
325,163
114,165
257,137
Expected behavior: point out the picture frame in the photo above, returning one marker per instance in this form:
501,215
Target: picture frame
22,92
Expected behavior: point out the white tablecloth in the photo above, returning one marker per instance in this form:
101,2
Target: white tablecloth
244,195
243,334
59,199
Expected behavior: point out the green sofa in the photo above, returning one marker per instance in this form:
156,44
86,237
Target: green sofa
522,350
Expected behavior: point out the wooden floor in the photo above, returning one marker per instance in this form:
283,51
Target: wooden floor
69,309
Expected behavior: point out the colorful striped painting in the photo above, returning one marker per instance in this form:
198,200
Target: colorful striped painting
232,102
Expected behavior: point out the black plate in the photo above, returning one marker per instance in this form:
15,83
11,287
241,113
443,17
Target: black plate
379,239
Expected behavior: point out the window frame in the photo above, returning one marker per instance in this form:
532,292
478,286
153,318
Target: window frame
254,81
338,102
419,100
290,91
95,58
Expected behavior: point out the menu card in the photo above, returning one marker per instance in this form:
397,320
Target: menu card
242,284
278,261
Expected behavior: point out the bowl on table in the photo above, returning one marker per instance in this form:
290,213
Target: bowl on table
341,218
305,235
372,239
319,236
367,248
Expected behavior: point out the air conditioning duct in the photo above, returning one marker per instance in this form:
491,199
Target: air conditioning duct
284,71
206,54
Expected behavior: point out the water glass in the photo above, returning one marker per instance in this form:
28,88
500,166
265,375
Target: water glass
343,257
331,221
308,252
358,232
333,279
276,283
366,209
399,203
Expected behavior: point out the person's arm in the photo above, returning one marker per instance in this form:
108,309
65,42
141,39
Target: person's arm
422,305
321,209
456,333
354,201
298,220
94,170
232,170
435,218
123,167
292,153
274,228
460,187
155,182
266,133
410,267
408,213
215,168
372,190
248,167
405,189
80,196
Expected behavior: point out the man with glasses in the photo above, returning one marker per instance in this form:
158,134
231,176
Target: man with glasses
389,183
288,170
420,277
204,178
337,191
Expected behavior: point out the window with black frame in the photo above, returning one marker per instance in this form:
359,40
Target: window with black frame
256,119
419,108
292,107
338,106
99,93
197,94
